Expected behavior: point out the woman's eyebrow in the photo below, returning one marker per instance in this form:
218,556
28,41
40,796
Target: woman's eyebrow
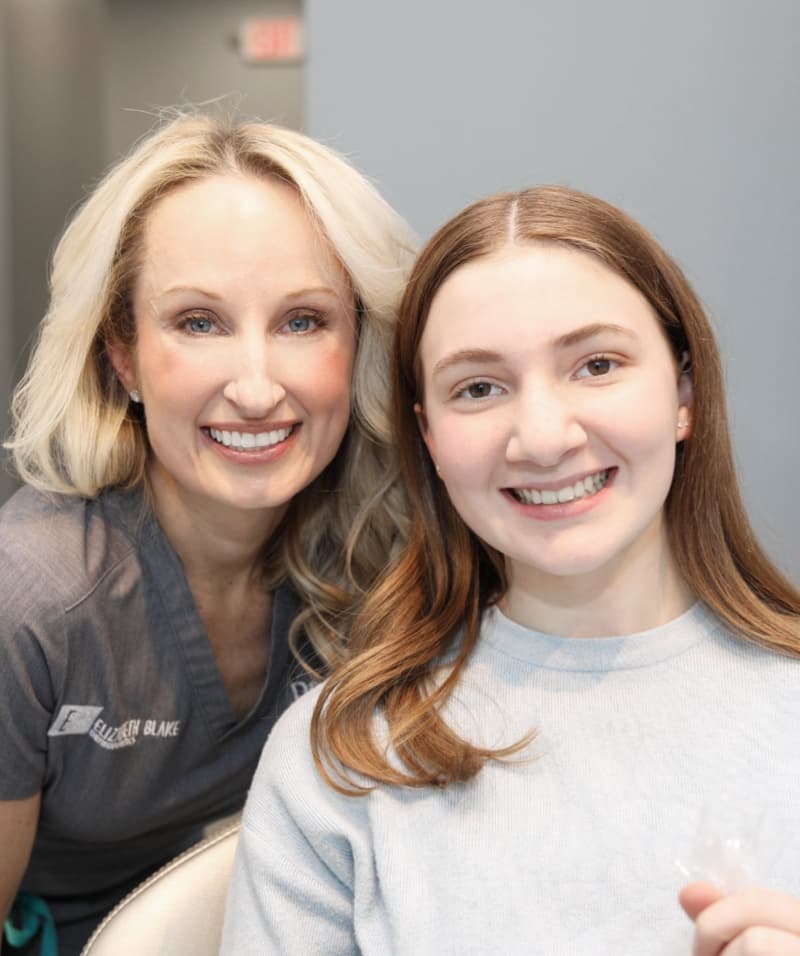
180,289
299,293
294,293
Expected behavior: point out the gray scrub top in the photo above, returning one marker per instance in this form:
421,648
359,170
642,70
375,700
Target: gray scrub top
111,703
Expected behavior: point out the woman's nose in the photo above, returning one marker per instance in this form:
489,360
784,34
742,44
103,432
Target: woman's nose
253,387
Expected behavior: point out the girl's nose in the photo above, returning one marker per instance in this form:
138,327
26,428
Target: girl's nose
546,430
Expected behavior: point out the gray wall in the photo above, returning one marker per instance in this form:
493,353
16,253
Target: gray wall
684,113
86,78
55,135
80,81
7,346
168,52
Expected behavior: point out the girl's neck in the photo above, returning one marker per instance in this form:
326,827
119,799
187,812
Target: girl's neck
618,599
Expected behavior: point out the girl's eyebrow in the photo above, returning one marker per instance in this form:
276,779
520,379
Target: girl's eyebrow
590,331
564,341
465,355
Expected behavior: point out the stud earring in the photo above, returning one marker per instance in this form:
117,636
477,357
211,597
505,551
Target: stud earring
136,396
683,424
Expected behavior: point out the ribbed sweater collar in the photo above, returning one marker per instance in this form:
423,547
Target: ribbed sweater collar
643,649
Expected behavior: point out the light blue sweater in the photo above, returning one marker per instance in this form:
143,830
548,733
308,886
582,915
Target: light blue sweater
654,752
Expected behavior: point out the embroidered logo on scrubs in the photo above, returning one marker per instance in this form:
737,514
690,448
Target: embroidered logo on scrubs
82,719
298,687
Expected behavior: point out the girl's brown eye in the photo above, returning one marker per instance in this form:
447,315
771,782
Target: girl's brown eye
479,389
599,366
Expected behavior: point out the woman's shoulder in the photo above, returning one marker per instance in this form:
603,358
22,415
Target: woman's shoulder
59,546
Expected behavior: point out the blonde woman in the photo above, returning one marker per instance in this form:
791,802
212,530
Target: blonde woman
581,672
202,434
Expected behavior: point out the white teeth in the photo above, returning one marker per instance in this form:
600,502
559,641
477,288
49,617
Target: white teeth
581,489
239,441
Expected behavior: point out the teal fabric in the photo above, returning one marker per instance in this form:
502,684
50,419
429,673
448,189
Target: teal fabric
29,917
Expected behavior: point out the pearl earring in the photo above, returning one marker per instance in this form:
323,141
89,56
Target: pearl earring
136,396
683,424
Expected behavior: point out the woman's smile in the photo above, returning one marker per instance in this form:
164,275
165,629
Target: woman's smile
245,345
247,446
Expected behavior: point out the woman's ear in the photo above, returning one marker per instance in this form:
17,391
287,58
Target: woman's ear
685,398
122,361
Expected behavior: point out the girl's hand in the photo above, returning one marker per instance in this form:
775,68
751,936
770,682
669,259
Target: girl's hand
751,922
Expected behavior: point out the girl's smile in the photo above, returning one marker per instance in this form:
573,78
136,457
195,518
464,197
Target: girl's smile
556,500
551,408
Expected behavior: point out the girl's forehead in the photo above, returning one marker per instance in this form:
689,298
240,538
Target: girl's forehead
542,291
533,263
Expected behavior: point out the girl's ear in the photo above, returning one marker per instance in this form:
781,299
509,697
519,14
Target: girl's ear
422,422
685,398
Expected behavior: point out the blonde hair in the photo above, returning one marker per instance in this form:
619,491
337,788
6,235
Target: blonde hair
73,427
446,577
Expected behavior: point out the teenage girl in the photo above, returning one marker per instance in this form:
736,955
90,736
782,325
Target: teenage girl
580,680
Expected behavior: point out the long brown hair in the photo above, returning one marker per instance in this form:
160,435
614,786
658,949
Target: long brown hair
446,577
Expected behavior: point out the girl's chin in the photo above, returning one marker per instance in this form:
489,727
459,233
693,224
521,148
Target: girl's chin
563,567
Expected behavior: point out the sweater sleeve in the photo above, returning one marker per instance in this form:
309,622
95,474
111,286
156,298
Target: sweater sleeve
291,892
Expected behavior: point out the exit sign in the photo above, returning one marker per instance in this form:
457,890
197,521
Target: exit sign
271,40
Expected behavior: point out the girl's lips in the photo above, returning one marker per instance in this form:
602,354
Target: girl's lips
561,494
523,499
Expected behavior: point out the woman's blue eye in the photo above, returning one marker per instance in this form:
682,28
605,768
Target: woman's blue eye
301,323
199,324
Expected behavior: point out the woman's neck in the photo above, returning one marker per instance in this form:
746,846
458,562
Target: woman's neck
214,543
